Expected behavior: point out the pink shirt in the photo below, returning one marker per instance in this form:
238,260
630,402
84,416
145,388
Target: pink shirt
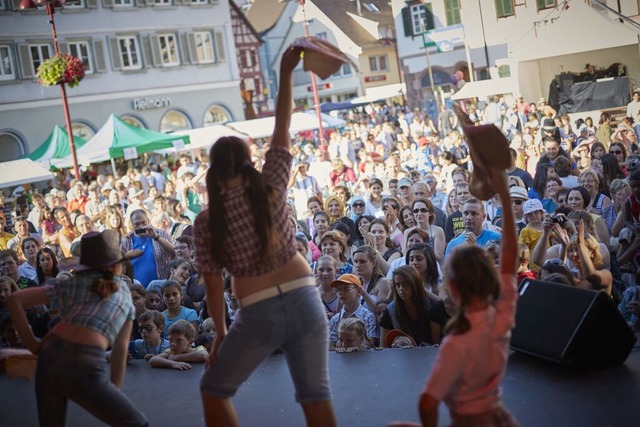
469,367
242,243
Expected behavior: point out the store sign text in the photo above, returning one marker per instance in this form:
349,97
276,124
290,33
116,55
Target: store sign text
140,104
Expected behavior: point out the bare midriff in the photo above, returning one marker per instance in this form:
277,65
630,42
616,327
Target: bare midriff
80,335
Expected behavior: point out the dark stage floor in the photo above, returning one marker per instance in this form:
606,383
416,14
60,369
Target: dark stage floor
369,388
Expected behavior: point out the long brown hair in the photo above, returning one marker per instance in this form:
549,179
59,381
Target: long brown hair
474,274
229,158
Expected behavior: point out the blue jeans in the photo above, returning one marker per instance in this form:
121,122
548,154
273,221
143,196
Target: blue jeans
296,323
77,372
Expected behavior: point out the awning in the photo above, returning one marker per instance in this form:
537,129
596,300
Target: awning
263,127
484,88
205,137
23,171
380,93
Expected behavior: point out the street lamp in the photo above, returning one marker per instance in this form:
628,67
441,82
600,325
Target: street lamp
50,6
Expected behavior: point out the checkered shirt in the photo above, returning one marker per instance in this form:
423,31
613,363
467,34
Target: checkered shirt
242,244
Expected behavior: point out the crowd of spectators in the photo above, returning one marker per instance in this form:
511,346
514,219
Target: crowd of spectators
377,206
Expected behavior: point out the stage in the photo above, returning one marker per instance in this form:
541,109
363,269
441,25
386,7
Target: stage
369,389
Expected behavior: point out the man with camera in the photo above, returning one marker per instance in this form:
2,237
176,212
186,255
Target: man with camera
157,250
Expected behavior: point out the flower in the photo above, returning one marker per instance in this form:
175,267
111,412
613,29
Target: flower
62,68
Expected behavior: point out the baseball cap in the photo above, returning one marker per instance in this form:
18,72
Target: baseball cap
404,182
346,279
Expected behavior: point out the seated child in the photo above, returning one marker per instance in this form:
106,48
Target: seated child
151,326
205,340
7,287
9,337
208,326
172,296
153,300
523,271
180,352
352,336
398,339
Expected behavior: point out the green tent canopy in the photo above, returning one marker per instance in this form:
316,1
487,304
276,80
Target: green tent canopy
56,146
117,139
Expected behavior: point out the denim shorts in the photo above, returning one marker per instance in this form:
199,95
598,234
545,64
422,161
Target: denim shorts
294,322
68,371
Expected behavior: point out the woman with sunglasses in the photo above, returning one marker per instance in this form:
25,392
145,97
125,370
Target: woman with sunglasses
620,152
424,214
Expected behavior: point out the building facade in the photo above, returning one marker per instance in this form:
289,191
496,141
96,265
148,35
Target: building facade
165,65
531,41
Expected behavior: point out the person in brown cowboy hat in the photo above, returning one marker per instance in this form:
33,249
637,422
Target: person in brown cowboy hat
96,313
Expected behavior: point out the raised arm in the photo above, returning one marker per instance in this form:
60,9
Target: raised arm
17,303
290,59
509,247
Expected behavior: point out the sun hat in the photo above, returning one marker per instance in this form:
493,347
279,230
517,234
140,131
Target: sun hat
532,205
134,192
100,250
517,192
346,279
548,124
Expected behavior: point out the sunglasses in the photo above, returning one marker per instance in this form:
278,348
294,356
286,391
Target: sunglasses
145,328
422,210
517,202
358,205
615,152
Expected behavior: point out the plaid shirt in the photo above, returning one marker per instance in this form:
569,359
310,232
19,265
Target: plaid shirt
361,313
79,305
161,257
242,244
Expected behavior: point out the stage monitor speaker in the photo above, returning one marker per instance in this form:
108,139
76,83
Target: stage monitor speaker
566,82
576,327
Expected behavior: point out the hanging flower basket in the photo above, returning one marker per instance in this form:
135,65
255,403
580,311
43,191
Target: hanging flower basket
62,68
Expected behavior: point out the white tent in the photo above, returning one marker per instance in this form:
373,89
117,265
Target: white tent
23,171
380,93
205,137
481,89
263,127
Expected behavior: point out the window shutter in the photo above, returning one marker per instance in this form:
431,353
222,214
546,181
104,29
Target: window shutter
193,51
116,59
26,64
140,3
156,53
147,55
91,4
63,47
430,21
186,2
107,3
184,48
12,4
219,41
98,55
499,9
406,21
149,2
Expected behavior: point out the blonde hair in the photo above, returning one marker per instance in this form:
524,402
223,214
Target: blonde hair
337,237
208,324
592,245
353,325
590,173
12,284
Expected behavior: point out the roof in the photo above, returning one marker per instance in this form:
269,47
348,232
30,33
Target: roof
264,14
338,12
244,19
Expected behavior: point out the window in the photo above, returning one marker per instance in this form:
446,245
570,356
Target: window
202,46
379,63
452,10
322,35
505,8
12,146
199,2
246,58
123,3
174,120
345,70
82,130
82,51
39,54
7,67
372,7
417,19
129,53
546,4
168,49
216,115
77,4
134,121
162,2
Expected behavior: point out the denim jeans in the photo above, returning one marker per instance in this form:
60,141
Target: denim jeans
295,322
77,372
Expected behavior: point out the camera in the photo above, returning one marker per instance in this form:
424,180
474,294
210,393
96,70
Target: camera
559,219
633,165
140,230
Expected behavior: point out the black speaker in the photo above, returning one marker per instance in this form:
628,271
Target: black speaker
579,328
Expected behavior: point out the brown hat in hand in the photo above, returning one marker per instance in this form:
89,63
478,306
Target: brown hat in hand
321,57
489,150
